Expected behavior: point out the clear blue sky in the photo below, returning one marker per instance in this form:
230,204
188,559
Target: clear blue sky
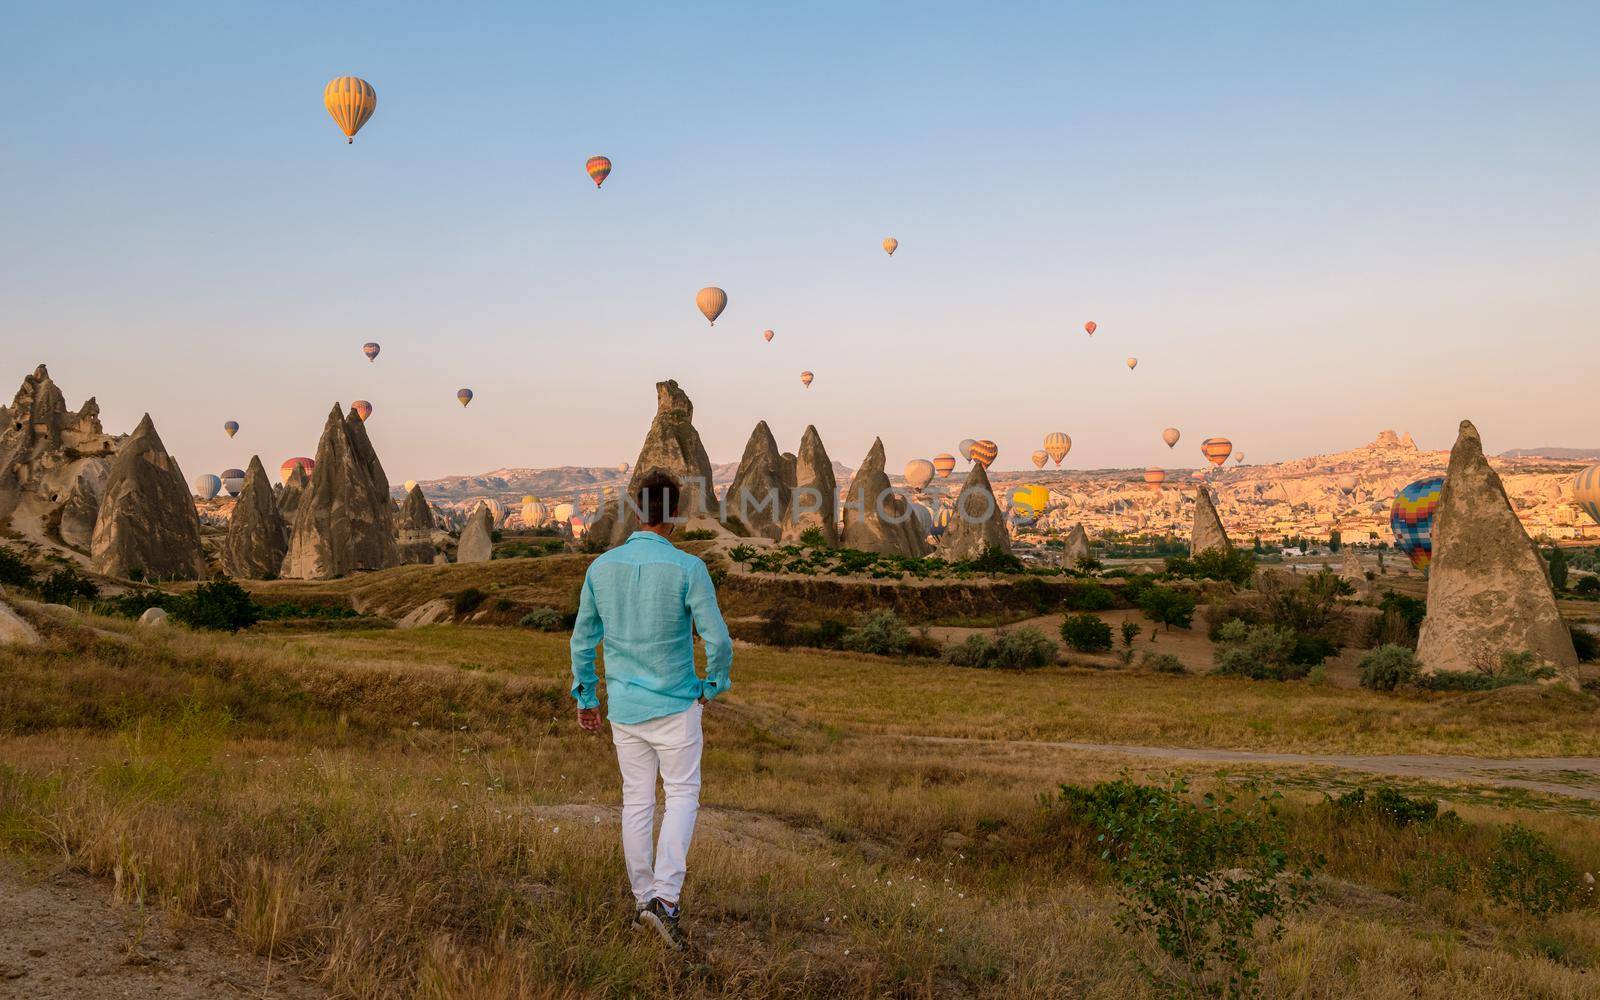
1308,222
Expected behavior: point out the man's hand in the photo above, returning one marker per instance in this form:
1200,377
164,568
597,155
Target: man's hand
589,719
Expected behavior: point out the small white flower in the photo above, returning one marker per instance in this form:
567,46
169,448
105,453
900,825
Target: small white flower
555,829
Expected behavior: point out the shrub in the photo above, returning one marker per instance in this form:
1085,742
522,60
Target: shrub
1130,632
1163,663
813,538
881,633
66,585
1166,606
1235,566
698,535
1135,585
1220,613
1086,633
829,634
220,605
1259,652
1035,592
1585,644
1389,667
15,571
1013,650
776,629
1588,586
1558,568
1308,607
1526,872
1088,597
466,601
543,620
1388,804
995,560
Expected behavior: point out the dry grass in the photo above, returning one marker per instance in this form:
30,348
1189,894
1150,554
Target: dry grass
414,814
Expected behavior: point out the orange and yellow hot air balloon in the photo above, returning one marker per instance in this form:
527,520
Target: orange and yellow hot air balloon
1090,327
711,300
1216,450
1133,363
805,379
599,168
1056,445
984,452
943,463
890,245
1039,458
362,409
1154,477
351,101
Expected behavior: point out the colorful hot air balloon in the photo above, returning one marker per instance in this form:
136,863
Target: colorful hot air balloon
497,510
231,427
712,301
984,452
599,168
1133,363
767,336
562,512
805,379
371,349
1170,436
1039,458
1154,477
351,101
1411,519
1216,450
1028,502
1056,445
919,473
1090,327
578,525
233,481
890,245
411,484
1586,491
362,409
206,486
943,463
287,468
464,395
964,449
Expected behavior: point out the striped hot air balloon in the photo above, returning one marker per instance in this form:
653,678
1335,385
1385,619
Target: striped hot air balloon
919,473
534,513
1586,491
890,245
362,409
351,101
411,484
805,379
233,481
230,427
711,300
1039,458
943,463
1154,477
1056,445
464,396
1216,450
1170,436
287,468
984,452
207,486
599,168
371,349
1411,519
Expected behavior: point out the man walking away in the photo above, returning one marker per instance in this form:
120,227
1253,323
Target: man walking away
641,599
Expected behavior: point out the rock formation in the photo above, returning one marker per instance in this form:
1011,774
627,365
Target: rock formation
876,519
1208,532
344,523
146,527
153,618
672,446
759,494
289,497
256,541
815,500
976,523
1077,546
476,544
1407,442
376,477
1350,571
1488,588
416,528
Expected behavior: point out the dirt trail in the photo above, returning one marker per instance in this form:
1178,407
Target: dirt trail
1574,777
62,938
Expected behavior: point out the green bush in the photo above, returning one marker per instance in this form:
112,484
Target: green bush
1526,872
1088,597
1086,633
1389,804
995,560
813,538
14,570
1585,644
66,585
1011,650
1389,667
1130,632
881,633
697,535
1588,586
1259,652
544,620
1166,606
1235,566
220,605
467,601
1163,663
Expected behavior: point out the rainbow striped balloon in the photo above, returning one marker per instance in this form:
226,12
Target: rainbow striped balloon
599,168
1586,490
1411,519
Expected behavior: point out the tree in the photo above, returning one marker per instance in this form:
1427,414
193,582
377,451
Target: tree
1335,541
1086,633
1166,606
1558,568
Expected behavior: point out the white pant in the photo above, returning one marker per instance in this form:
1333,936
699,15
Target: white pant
671,747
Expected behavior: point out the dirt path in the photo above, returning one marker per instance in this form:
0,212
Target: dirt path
1574,777
62,938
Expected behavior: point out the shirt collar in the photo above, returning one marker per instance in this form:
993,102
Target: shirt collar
648,536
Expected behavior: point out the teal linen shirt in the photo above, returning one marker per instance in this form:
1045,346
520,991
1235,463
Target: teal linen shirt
641,597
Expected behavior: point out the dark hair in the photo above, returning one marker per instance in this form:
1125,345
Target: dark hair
659,494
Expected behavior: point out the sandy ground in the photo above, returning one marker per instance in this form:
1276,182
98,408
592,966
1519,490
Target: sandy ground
63,938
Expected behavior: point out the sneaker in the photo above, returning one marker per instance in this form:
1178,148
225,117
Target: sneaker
665,923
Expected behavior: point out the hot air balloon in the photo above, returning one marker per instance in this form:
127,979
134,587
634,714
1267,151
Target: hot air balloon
1411,519
984,452
1198,474
919,473
1039,458
231,427
964,449
206,486
1133,363
1154,477
1586,491
712,301
1028,502
1170,436
362,409
943,463
1090,327
1347,483
579,525
233,481
562,512
411,484
1238,456
464,395
371,350
767,336
1216,450
351,101
622,467
497,510
534,513
599,168
287,468
805,379
1056,445
890,245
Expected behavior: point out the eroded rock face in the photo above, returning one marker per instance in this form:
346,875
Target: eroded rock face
760,491
294,488
415,536
146,526
1077,546
814,502
976,522
672,446
379,480
1489,590
257,541
476,545
344,522
1350,571
876,519
1208,532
